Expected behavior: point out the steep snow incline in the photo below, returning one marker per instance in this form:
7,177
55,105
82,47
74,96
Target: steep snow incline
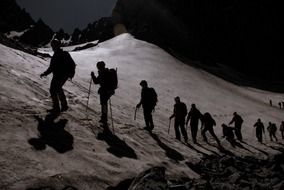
80,154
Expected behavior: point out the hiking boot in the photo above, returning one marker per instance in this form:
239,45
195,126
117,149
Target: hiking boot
105,126
54,110
146,128
64,108
103,121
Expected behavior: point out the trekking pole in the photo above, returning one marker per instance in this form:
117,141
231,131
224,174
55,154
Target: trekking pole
89,92
135,114
111,115
169,126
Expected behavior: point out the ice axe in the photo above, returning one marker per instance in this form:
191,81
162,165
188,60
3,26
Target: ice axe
111,115
135,113
169,126
89,92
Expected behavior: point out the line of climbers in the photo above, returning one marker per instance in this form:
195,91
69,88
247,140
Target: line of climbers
280,104
63,67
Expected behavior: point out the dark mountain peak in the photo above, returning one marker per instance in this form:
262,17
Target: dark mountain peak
239,34
38,35
101,30
12,17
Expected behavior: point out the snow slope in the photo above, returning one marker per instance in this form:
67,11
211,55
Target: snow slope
92,160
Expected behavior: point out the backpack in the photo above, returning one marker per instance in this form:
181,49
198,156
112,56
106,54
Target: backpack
184,109
112,79
153,97
70,64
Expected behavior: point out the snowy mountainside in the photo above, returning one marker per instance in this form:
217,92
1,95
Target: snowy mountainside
91,160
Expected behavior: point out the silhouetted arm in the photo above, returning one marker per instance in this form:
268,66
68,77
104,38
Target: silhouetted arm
97,79
140,102
174,113
49,69
188,117
232,121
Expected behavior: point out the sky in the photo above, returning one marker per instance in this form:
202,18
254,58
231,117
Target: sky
67,14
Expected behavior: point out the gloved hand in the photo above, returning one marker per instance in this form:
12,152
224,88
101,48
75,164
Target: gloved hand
93,74
42,75
138,106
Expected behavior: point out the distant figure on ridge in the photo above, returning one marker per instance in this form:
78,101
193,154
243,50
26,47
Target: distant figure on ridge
280,105
272,131
259,128
194,116
148,101
207,125
270,102
180,112
238,120
107,79
282,129
62,67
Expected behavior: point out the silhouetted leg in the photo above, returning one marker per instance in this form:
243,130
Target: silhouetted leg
231,141
238,134
183,131
194,129
177,130
259,136
63,100
270,135
275,137
104,108
203,134
61,95
282,134
151,123
211,131
224,132
54,89
147,117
